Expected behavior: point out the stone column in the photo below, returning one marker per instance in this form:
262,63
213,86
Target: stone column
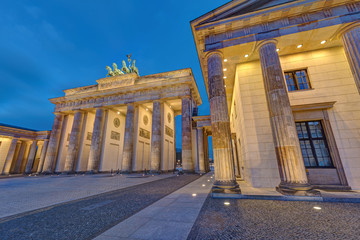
235,153
220,126
287,147
20,158
128,139
74,142
10,156
156,138
42,155
53,144
201,155
350,36
31,157
206,151
96,140
186,139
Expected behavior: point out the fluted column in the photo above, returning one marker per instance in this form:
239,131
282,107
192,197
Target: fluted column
10,156
74,142
53,144
42,156
206,152
220,126
128,139
290,162
20,158
96,141
186,139
156,138
350,36
31,157
201,155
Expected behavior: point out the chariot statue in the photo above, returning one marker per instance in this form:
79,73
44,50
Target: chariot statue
131,68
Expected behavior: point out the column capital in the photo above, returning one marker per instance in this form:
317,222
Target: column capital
346,28
215,52
267,41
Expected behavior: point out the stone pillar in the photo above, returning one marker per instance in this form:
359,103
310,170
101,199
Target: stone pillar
50,158
156,138
42,155
201,155
206,152
235,153
350,36
96,140
220,126
20,158
287,147
186,138
31,157
74,142
10,156
128,139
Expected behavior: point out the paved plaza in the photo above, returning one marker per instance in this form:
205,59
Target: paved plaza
160,207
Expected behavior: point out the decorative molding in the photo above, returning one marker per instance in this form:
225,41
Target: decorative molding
312,106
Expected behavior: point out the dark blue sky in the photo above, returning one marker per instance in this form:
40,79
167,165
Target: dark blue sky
49,46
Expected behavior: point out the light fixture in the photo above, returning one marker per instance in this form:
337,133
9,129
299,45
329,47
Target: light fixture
208,180
246,55
225,60
118,113
225,85
225,69
226,203
225,77
194,194
211,177
317,208
323,42
203,185
278,49
147,109
299,46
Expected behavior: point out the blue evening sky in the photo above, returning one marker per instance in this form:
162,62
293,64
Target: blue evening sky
48,46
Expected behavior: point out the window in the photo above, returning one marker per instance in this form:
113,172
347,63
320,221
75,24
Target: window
314,148
297,80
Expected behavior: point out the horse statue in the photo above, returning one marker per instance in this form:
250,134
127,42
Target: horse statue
110,72
117,71
125,69
134,69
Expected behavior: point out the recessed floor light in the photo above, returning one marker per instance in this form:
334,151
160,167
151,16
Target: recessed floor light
194,194
208,180
203,185
226,203
323,42
317,208
299,46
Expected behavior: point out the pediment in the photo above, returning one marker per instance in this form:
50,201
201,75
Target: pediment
240,7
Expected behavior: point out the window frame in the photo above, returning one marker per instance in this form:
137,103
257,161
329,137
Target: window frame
294,77
310,138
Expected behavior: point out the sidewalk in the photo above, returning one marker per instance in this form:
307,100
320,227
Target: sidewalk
172,217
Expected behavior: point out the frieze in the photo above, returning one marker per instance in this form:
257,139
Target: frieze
144,133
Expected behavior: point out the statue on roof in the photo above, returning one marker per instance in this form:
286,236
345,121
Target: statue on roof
124,70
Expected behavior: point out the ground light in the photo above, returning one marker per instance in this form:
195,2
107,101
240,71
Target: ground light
194,194
203,185
226,203
317,208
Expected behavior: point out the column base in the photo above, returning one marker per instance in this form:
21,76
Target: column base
226,187
297,190
92,172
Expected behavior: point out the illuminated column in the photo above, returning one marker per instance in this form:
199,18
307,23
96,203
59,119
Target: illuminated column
20,158
53,145
186,138
206,152
10,156
201,155
128,139
350,36
156,137
220,126
96,141
42,155
287,147
74,142
31,157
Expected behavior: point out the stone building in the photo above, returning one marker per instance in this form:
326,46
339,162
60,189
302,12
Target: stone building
22,150
283,82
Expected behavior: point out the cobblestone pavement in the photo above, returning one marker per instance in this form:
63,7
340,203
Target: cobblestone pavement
86,218
30,193
259,219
